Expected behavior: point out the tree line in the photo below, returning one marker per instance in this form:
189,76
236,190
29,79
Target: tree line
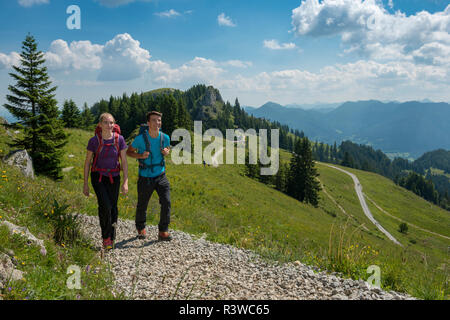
297,179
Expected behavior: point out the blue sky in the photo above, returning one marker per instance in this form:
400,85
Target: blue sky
283,51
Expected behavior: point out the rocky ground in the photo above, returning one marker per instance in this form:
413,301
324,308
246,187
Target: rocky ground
190,268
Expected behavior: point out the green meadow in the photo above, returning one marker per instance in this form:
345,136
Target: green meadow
228,207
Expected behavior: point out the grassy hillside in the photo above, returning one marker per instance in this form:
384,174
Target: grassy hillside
231,208
29,203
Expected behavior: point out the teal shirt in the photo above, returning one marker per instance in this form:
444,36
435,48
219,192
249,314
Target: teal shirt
156,157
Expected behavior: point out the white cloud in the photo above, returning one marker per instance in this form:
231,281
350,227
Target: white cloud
274,45
121,58
80,55
6,61
353,81
29,3
391,4
168,14
197,70
117,3
367,28
237,63
223,20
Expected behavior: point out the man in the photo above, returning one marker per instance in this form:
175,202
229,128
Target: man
152,174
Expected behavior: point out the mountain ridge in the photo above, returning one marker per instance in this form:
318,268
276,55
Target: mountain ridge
410,127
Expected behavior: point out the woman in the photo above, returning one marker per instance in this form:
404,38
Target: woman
107,146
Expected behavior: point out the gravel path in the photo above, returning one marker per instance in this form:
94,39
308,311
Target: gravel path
358,189
190,268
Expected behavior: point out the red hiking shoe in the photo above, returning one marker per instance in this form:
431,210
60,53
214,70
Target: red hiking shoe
107,244
142,234
164,236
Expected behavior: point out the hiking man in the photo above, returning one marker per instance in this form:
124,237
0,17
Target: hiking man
150,147
106,147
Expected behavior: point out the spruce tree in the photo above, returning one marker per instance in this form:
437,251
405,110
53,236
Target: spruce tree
86,117
301,181
32,102
71,114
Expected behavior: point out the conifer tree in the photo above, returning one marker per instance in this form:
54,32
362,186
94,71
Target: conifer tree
32,102
301,182
86,117
71,114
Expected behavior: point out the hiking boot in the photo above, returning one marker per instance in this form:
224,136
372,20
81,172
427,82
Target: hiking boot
107,244
164,236
142,234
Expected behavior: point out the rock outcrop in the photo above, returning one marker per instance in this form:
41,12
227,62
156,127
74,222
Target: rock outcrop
22,160
31,239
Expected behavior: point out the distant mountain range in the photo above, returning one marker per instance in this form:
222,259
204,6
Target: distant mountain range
408,129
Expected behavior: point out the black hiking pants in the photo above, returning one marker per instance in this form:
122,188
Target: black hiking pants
107,196
145,188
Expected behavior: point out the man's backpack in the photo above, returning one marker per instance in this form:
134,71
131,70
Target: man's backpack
142,165
107,147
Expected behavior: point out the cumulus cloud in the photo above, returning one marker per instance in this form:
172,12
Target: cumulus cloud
29,3
223,20
367,28
197,70
7,61
78,55
352,81
168,14
274,45
121,58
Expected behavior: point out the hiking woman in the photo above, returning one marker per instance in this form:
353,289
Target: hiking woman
105,148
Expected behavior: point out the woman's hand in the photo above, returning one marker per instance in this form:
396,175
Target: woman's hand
86,190
125,188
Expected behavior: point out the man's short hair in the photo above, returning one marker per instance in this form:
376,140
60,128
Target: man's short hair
153,113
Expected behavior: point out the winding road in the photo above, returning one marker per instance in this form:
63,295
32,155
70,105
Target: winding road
358,189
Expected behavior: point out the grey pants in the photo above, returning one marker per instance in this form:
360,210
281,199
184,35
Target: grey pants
145,189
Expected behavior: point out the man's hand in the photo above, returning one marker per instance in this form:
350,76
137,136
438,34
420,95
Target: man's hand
165,151
145,155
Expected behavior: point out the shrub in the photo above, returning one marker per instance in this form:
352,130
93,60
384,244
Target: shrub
403,228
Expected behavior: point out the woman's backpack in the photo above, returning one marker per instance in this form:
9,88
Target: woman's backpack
101,146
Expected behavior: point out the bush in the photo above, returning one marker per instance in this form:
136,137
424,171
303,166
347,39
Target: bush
403,228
